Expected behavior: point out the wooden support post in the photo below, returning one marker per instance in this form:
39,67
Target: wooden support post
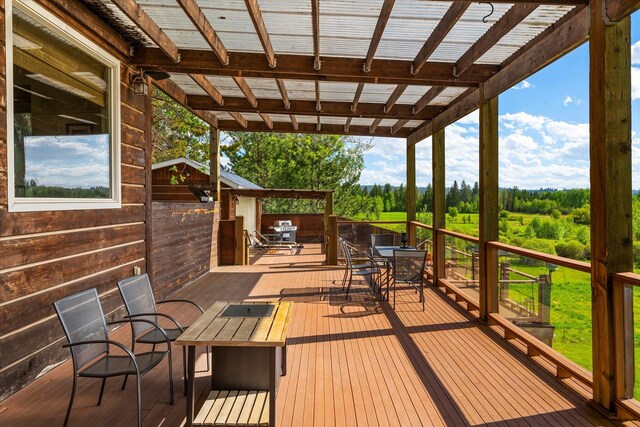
148,183
227,207
411,193
259,215
611,230
437,159
328,211
332,248
239,246
488,205
214,162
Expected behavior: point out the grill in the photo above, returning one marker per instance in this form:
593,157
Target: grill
285,230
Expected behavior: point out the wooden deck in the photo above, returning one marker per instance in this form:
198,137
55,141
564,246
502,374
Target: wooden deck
351,362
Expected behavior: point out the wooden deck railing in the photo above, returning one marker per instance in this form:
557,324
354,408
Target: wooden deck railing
564,367
624,330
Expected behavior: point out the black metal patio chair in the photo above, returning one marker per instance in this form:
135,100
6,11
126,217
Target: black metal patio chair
140,302
84,325
369,270
408,267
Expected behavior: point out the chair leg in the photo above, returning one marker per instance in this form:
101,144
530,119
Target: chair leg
349,285
133,350
171,400
422,294
394,295
73,395
139,399
344,278
104,381
184,366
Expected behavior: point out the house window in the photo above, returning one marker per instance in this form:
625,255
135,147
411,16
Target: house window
63,115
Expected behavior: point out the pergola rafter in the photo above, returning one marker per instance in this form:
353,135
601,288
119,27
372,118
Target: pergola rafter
202,24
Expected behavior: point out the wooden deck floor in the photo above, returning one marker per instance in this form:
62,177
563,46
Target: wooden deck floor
351,362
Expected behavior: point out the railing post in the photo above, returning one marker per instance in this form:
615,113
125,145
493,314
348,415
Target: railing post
214,162
239,245
544,298
411,193
437,148
488,205
328,211
411,233
610,201
332,248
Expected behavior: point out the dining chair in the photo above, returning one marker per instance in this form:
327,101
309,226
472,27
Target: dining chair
368,270
140,302
86,330
408,267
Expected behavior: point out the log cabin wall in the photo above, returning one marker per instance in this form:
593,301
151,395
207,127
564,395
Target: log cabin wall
45,256
182,243
164,190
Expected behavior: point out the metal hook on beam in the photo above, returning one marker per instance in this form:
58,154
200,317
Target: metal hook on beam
485,18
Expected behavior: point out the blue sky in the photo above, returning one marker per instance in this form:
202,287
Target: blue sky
544,132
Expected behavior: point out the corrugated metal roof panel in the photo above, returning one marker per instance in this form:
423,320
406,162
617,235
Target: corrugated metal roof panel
346,26
253,117
222,115
337,91
359,121
226,86
524,32
333,120
448,95
114,13
414,123
467,31
378,93
187,84
388,122
412,94
280,118
306,119
264,88
304,90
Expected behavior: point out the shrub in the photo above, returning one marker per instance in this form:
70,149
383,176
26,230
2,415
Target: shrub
504,214
582,215
539,245
556,214
571,249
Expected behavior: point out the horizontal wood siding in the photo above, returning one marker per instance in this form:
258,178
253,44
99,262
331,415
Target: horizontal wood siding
182,241
163,190
310,226
45,256
226,242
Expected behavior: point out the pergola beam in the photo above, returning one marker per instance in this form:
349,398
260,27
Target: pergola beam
246,90
137,14
397,93
398,125
267,120
294,122
331,129
356,97
241,121
256,17
333,109
315,23
202,24
318,104
374,126
619,9
283,92
180,96
506,23
454,13
383,18
208,87
429,96
300,67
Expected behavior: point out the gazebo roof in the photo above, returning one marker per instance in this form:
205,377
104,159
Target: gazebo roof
374,67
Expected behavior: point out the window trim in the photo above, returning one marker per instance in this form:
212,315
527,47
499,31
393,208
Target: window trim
79,41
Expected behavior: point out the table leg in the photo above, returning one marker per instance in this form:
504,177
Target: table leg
284,359
272,386
191,373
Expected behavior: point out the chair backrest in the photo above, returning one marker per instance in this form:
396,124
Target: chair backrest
82,319
382,240
138,298
253,241
408,266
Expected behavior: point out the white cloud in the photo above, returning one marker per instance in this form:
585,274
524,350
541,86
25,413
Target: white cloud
569,100
635,53
523,85
635,81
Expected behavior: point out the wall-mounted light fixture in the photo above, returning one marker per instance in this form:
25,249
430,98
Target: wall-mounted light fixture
140,86
235,199
139,82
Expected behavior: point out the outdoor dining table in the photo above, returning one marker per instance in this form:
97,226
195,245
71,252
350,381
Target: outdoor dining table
387,253
248,346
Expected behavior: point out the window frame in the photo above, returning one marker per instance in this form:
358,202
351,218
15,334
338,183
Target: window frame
81,42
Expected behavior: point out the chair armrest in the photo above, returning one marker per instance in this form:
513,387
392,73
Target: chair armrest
166,337
110,342
132,316
186,301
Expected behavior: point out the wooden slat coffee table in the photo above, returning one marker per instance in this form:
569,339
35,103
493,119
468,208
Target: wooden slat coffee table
248,345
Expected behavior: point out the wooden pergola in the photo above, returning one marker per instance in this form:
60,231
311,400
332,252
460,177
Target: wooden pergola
406,69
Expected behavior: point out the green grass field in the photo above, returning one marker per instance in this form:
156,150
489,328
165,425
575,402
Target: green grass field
570,309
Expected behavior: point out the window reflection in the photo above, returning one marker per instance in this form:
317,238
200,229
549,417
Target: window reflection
61,116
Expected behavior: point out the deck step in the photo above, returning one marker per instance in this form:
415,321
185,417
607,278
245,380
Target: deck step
234,408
